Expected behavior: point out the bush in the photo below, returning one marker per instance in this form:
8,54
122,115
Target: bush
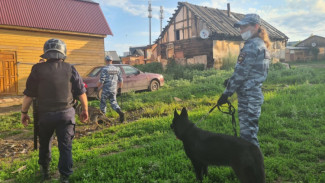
155,67
177,71
277,66
173,70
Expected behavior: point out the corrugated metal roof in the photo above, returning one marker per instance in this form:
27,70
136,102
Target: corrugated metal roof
297,48
113,55
319,40
222,25
138,52
63,15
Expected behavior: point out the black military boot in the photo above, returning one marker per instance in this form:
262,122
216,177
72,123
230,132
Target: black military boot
121,115
45,172
64,179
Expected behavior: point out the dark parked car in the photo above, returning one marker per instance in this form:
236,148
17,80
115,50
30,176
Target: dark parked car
133,80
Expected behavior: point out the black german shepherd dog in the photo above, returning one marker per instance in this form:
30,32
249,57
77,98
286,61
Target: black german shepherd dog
206,148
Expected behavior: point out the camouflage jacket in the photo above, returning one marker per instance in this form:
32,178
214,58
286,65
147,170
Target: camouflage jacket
110,76
251,67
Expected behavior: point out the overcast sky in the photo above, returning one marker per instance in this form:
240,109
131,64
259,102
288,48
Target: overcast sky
128,19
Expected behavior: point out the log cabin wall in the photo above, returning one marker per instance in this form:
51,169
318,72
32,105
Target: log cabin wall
181,39
82,50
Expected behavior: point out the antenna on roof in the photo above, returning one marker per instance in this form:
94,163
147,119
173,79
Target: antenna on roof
149,16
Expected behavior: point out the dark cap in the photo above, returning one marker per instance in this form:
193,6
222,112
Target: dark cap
249,19
108,58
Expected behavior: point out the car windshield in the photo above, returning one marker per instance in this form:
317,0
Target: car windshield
129,70
94,72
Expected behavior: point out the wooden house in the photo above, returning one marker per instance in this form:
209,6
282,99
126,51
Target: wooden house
293,53
197,34
312,41
136,57
151,53
302,51
114,56
26,25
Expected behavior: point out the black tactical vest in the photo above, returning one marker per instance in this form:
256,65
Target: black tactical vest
54,89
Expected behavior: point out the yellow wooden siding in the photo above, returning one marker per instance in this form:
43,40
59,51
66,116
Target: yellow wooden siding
85,51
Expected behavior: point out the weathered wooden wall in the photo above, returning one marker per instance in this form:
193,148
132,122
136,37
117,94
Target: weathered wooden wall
225,48
85,51
181,40
303,54
133,60
195,47
277,51
188,48
297,55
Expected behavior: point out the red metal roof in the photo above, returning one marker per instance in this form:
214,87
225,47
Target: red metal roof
64,15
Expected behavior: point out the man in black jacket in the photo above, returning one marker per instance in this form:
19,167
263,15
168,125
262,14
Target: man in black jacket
54,83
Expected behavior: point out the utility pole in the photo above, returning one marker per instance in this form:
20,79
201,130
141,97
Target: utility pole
150,16
161,17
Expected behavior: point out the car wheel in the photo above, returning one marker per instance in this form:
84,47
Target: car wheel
154,85
99,94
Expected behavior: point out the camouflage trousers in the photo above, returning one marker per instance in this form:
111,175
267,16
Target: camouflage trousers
111,96
249,111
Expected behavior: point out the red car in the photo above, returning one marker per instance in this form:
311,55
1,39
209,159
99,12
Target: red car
133,80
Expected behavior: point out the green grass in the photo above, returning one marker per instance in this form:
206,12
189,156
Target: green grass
8,122
292,132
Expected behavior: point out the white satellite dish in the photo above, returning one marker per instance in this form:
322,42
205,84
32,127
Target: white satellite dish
204,33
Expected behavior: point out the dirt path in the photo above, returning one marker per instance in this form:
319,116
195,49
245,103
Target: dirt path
10,109
13,145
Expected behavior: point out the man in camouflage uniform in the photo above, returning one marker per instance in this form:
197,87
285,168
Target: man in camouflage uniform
110,77
249,74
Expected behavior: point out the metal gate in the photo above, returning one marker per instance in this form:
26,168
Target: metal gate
8,73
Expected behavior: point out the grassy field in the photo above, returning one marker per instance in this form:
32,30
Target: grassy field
292,131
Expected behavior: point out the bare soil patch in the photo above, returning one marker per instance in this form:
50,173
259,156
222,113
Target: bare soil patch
13,145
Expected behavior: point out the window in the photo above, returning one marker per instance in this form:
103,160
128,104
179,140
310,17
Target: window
128,70
95,72
177,35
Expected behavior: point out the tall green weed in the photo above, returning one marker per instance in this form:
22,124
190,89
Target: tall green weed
229,62
154,67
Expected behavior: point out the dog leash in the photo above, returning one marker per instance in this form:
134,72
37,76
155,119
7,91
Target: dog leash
231,111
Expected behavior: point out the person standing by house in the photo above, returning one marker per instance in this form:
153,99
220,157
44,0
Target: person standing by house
111,79
54,83
249,74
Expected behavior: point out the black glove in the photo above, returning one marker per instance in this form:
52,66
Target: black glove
225,83
222,100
